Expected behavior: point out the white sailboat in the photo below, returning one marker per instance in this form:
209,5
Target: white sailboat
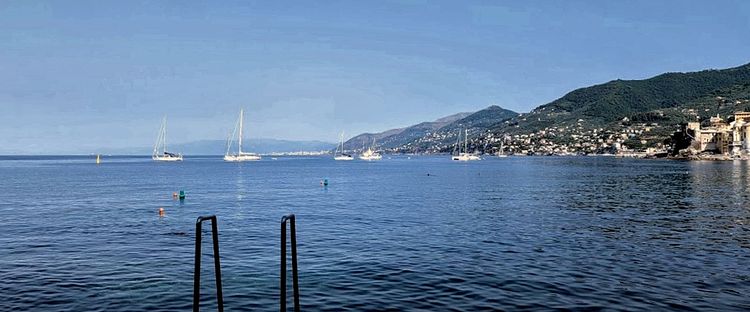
160,147
340,154
501,152
240,155
463,156
369,154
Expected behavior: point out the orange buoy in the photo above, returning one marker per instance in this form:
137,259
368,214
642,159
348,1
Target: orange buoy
161,212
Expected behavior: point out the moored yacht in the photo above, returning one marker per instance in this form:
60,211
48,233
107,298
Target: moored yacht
370,154
240,155
339,154
160,147
463,156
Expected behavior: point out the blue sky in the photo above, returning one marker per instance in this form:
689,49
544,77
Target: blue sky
79,76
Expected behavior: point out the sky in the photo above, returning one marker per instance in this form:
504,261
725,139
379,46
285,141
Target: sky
79,76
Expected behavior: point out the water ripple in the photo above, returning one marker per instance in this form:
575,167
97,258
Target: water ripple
501,234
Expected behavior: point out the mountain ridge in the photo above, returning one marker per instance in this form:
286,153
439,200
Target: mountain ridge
618,113
394,137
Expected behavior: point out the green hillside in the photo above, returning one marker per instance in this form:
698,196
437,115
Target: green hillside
602,104
628,114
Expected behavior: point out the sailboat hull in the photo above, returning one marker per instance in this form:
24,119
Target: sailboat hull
371,157
237,158
167,158
343,158
466,157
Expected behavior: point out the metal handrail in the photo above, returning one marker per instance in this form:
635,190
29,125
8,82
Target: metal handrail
217,265
282,277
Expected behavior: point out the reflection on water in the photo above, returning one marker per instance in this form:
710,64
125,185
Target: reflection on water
400,234
240,178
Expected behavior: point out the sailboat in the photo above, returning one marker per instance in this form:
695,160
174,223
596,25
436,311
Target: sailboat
340,154
463,156
369,154
160,147
501,152
240,155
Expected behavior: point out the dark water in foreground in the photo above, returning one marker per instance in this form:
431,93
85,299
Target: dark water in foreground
513,233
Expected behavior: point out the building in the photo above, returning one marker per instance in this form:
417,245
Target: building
720,137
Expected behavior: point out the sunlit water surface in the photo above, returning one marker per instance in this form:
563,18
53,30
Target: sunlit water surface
399,234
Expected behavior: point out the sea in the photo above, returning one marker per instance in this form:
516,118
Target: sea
406,233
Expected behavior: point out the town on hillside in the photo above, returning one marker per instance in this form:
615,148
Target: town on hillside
713,138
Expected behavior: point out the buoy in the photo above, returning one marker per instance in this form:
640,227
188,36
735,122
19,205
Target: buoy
182,194
98,159
161,212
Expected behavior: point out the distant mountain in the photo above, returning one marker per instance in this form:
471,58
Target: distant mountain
627,113
476,124
218,147
396,137
422,136
479,121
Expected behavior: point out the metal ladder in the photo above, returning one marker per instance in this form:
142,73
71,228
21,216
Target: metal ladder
217,265
282,274
288,219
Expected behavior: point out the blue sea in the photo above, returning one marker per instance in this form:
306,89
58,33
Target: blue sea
400,234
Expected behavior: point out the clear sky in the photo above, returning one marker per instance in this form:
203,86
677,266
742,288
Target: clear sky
76,76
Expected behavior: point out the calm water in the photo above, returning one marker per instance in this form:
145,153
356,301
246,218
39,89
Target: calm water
513,233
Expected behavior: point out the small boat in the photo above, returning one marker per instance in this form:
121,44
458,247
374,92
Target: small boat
160,147
369,154
339,154
240,155
463,156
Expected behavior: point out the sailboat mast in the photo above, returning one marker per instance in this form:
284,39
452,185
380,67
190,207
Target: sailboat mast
239,144
457,147
466,141
156,144
164,137
342,141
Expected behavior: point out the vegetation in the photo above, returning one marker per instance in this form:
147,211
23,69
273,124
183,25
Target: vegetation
663,103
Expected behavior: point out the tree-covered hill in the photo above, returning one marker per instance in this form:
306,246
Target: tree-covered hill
612,101
631,114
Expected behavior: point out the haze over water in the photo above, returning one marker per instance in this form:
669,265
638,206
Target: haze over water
513,233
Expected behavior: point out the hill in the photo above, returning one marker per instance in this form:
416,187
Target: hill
477,124
603,104
624,114
397,137
434,135
619,114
